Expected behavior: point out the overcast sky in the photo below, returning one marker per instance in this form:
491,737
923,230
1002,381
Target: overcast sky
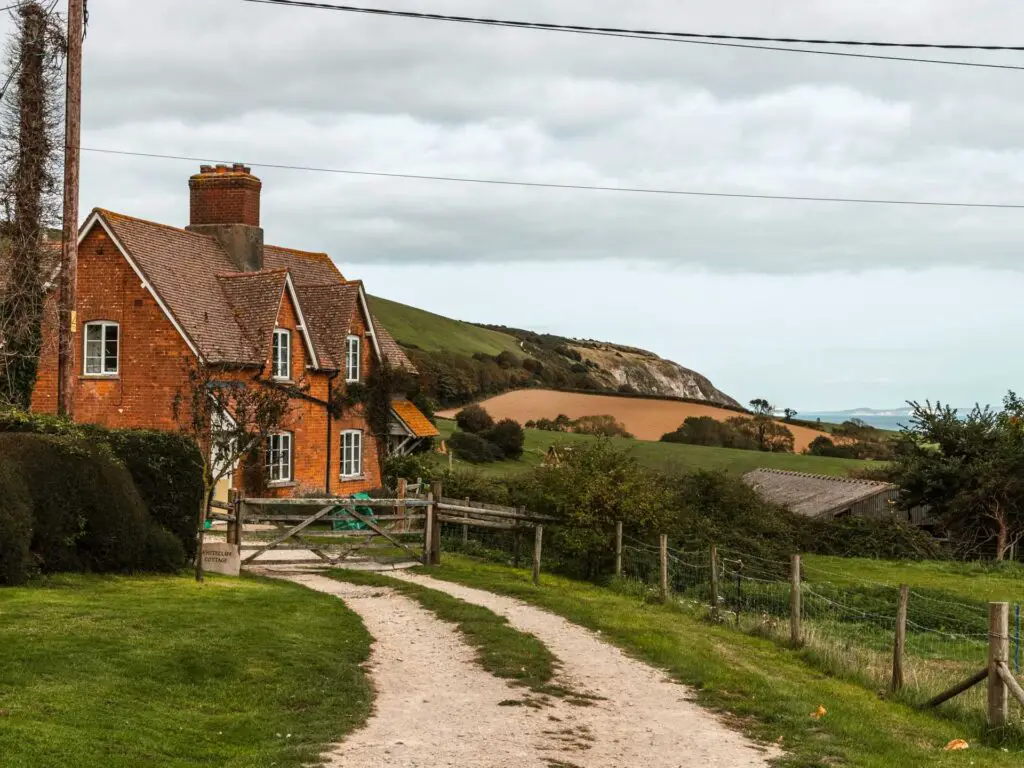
812,305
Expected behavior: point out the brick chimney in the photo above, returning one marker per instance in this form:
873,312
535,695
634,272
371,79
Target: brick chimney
225,203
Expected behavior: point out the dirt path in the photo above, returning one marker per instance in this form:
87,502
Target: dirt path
436,707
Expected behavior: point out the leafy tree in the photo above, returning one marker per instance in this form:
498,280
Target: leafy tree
229,420
767,434
474,448
601,426
969,470
474,419
762,407
509,437
790,414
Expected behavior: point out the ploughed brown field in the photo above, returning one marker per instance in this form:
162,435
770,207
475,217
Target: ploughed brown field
646,419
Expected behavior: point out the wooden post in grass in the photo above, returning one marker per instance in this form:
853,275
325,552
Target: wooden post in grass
714,581
232,532
538,543
998,653
465,532
435,534
618,550
900,642
795,628
428,528
663,557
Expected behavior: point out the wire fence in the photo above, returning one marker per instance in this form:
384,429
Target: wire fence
846,630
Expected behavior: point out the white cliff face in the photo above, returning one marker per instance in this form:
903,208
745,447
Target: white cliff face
648,374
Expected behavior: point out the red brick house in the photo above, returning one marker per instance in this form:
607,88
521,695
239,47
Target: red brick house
150,295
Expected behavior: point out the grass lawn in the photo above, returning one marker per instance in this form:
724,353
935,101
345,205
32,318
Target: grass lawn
108,672
434,333
972,581
663,456
766,690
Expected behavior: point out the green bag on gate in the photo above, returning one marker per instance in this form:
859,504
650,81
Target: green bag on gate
352,524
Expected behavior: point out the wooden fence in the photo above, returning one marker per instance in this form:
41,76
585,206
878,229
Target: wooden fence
997,675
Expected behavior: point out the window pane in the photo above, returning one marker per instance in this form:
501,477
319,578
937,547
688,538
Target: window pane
110,349
93,349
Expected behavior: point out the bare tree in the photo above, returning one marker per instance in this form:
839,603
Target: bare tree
30,158
229,419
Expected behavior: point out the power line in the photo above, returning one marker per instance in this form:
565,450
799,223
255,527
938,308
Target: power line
673,37
576,187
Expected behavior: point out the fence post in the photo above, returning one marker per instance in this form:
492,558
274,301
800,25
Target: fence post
517,543
428,529
714,580
465,532
795,629
403,524
538,543
618,550
1016,641
739,591
435,534
899,644
231,535
663,556
998,653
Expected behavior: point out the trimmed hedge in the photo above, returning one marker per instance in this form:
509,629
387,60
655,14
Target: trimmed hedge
15,529
165,467
86,512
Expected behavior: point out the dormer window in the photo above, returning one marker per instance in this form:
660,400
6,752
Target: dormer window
102,349
352,359
281,363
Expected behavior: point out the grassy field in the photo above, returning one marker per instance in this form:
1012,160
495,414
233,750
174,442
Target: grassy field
434,333
121,672
665,456
767,690
970,581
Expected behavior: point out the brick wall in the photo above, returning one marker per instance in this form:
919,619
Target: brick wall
225,195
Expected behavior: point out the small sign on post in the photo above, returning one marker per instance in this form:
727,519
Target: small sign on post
220,558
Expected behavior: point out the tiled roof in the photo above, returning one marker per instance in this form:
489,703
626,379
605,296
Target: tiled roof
306,268
413,418
255,299
228,315
813,495
393,353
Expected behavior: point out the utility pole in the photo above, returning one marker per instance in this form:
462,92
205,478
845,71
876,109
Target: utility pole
68,318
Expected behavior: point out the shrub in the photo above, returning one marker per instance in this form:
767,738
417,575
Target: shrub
474,448
15,529
87,514
164,551
601,426
507,360
168,472
509,437
474,419
408,467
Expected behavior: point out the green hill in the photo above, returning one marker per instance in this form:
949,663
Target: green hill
419,329
667,456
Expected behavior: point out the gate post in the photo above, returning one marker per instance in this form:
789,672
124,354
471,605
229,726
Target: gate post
435,534
428,528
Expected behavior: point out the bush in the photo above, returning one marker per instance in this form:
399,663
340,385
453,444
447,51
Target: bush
474,419
167,469
87,514
164,551
600,426
15,529
704,430
507,360
474,448
509,437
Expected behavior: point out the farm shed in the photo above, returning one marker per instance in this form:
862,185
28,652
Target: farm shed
820,496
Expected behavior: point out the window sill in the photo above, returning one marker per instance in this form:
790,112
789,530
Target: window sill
100,377
282,381
283,484
351,478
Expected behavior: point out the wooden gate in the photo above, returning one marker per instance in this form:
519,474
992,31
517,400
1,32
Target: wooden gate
331,531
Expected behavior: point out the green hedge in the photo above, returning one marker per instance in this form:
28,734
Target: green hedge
15,528
86,512
166,467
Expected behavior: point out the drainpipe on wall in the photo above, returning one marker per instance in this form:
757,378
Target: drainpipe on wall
330,424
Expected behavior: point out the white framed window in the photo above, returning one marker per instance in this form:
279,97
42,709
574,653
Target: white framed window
352,453
102,349
280,457
282,357
352,358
